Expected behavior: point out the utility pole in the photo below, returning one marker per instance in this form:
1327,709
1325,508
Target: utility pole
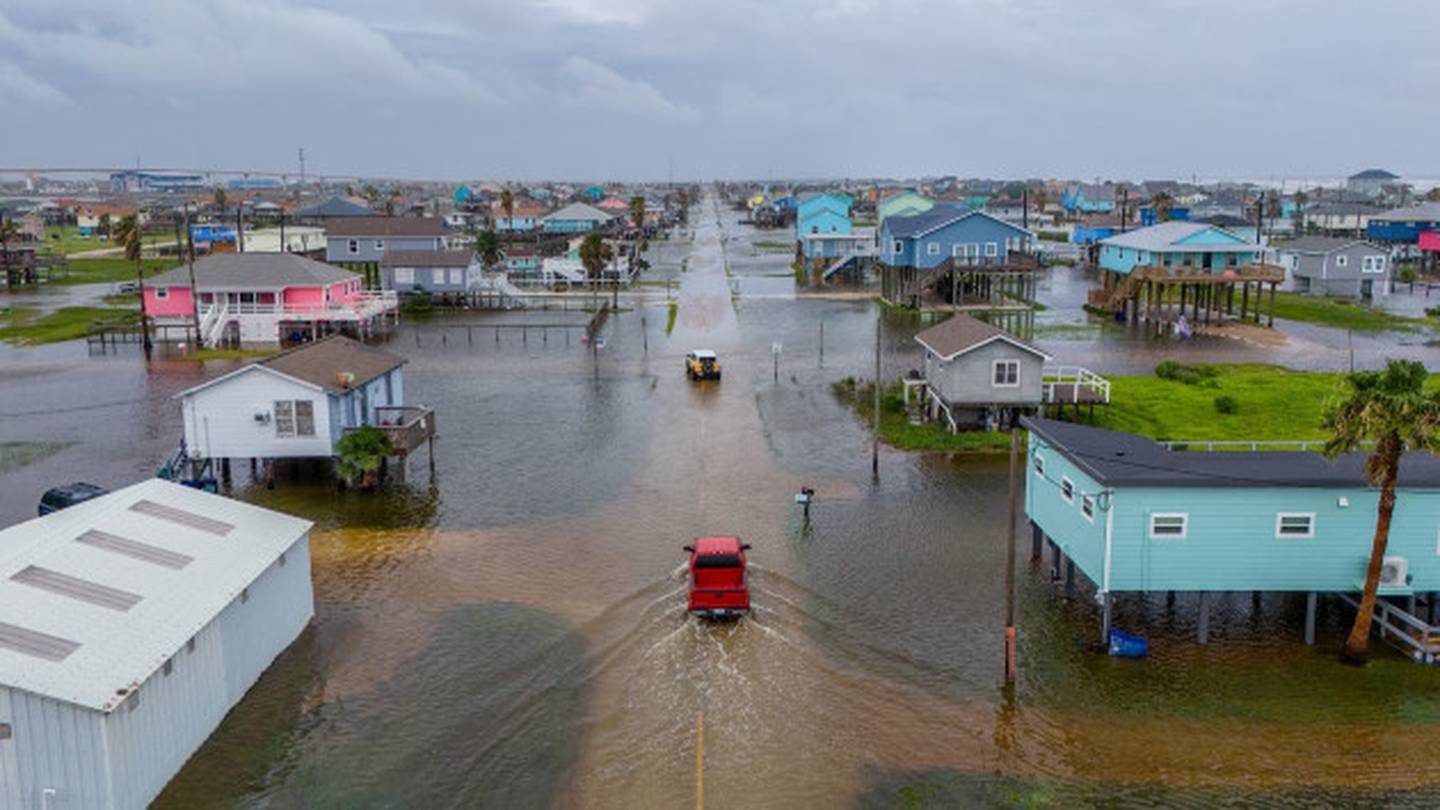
302,168
240,227
875,431
1010,565
194,293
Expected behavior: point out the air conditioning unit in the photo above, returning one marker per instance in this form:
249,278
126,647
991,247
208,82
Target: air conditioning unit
263,417
1394,572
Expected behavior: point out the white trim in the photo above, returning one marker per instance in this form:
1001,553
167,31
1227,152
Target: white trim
245,370
994,373
966,215
1109,534
1184,525
1090,513
1039,464
932,249
1280,518
992,249
162,293
1019,344
1066,483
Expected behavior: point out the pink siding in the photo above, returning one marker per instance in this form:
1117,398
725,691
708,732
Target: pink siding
176,303
1430,240
338,291
309,297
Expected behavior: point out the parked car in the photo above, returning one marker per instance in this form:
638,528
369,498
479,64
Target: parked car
702,364
68,495
718,586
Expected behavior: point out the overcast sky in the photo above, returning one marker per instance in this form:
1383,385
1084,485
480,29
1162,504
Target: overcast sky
623,89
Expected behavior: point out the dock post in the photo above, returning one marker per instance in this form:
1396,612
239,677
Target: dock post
1310,618
1202,633
253,475
225,472
1069,578
1105,601
431,453
1037,537
269,473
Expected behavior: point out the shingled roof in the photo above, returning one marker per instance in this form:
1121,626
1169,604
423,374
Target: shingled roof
253,271
426,258
320,363
385,226
962,333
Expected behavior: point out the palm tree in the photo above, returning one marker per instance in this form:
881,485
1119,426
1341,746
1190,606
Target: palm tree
595,253
9,232
1040,199
507,204
1433,195
220,198
131,239
637,212
489,248
1393,409
104,225
360,453
1162,203
1298,215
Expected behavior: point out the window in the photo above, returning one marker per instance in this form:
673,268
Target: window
897,248
955,251
933,249
380,244
1007,373
972,249
404,275
814,229
1342,260
1295,524
1039,465
992,249
1169,525
1067,490
294,417
457,276
353,246
1087,507
1379,264
437,276
162,293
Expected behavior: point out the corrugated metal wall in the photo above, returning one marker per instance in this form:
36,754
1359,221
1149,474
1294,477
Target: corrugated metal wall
125,758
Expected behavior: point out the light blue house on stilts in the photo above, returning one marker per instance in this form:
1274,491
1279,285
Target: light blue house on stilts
1134,517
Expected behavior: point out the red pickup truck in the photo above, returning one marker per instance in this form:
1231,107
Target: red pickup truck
718,589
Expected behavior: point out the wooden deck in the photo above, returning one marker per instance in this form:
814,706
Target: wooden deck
408,426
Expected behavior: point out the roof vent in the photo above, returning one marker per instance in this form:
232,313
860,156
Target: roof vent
345,379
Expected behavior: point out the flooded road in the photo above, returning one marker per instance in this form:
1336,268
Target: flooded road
514,633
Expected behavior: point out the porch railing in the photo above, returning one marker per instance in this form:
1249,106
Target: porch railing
1073,384
408,426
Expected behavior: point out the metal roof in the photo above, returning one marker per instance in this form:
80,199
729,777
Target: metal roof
98,596
1425,212
385,226
253,271
578,211
1162,238
1125,459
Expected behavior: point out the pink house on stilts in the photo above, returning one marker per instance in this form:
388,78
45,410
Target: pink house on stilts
264,300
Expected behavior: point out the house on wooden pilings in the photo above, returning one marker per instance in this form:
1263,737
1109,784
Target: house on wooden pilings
1160,273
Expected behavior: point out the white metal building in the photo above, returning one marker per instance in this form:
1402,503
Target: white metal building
129,626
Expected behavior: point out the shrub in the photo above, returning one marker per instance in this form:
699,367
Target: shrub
1189,375
1408,274
1432,312
1052,236
1226,404
418,303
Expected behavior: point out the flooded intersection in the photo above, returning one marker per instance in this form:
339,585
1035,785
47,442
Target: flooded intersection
514,634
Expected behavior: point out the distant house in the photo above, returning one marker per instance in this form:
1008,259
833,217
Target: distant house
1340,218
295,404
822,214
132,624
1370,182
1135,517
1085,198
432,271
904,204
525,216
978,374
948,232
1404,225
859,242
521,261
365,239
1177,247
574,218
90,219
256,299
333,208
1329,265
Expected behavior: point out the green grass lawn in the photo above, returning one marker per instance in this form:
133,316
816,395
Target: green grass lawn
670,317
109,271
1270,404
67,240
1341,313
28,328
1273,403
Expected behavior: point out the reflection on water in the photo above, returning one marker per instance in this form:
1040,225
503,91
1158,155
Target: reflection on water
513,633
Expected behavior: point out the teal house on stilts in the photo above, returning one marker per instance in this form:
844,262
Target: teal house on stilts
1134,516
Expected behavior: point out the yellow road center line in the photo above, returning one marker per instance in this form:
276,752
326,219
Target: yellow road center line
699,760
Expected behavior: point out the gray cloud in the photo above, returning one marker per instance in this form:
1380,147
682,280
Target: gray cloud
620,88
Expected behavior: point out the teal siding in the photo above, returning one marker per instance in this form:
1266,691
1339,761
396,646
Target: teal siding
1231,543
1080,539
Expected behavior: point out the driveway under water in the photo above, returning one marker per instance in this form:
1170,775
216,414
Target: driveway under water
513,634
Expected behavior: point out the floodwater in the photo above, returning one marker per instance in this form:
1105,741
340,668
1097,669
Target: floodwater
513,633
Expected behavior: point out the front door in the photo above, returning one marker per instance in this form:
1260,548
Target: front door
1367,288
1206,259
